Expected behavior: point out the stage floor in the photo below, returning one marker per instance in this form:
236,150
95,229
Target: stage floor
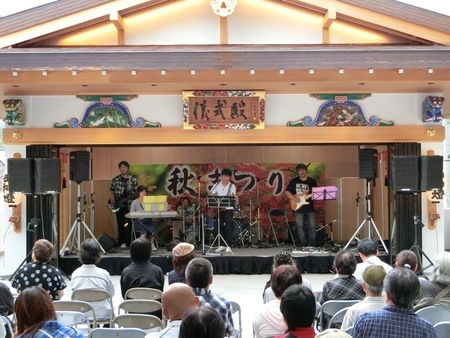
242,260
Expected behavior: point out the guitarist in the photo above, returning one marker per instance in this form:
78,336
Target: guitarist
123,187
297,189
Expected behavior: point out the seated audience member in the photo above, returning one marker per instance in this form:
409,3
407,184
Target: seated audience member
439,280
396,319
199,276
41,272
141,272
89,276
182,254
344,286
176,300
372,284
281,258
298,307
202,322
268,318
36,317
368,252
406,259
333,333
6,300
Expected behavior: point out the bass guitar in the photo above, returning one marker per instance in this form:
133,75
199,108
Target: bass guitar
303,201
114,207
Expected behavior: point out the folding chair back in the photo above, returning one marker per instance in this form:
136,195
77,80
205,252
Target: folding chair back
73,319
117,333
78,306
329,309
143,293
434,314
140,321
143,306
443,329
236,308
337,319
96,295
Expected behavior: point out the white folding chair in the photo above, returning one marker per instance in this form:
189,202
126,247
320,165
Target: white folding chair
330,308
117,333
74,319
143,306
236,308
434,314
78,306
349,330
140,321
143,293
442,329
96,295
337,319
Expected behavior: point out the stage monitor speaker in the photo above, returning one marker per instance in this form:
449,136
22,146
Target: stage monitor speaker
431,168
47,175
80,166
20,175
405,173
368,163
106,242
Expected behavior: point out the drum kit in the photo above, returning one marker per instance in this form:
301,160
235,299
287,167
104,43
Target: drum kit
204,229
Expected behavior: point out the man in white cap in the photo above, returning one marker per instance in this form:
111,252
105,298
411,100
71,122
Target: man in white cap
176,299
372,284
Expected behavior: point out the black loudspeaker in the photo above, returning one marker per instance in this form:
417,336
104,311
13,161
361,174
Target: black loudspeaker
431,168
405,173
47,175
106,242
368,163
20,175
80,166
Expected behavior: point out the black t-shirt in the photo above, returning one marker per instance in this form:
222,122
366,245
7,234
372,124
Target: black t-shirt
296,187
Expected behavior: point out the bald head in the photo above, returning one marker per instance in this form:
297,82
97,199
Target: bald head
176,299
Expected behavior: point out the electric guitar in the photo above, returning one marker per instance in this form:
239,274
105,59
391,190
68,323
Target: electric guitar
303,201
114,207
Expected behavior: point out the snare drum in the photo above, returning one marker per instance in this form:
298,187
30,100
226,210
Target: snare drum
210,224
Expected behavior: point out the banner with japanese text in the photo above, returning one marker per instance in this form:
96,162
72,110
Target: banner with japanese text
258,185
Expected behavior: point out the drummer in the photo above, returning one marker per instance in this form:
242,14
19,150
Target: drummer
185,214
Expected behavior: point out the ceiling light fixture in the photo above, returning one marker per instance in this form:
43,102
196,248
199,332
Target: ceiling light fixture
281,71
370,70
341,70
400,70
14,73
163,72
252,71
133,72
104,72
74,72
311,70
44,73
222,72
430,70
192,71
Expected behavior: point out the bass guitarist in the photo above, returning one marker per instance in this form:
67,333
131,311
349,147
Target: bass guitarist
121,193
299,193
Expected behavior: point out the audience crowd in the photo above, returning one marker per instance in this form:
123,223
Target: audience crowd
386,297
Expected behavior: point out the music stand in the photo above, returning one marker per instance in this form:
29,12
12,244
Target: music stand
218,202
324,193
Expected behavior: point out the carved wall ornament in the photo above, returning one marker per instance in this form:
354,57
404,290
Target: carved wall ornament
15,113
223,7
107,113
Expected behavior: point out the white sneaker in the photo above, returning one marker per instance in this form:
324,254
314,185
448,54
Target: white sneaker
123,246
154,248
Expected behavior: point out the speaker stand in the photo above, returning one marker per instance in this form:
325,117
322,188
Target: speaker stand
76,230
416,247
369,221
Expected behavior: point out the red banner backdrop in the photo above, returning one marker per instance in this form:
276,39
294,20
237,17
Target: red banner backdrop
258,185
